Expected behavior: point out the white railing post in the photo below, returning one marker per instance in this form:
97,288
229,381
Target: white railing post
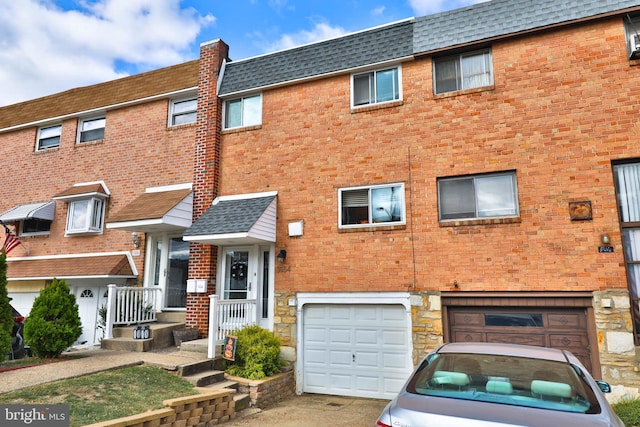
213,326
111,313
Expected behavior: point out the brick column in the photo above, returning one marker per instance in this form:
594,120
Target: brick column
202,258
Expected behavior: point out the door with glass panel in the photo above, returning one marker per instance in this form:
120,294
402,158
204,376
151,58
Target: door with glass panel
170,260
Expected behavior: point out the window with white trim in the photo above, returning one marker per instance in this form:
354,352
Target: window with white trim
478,197
34,227
465,71
49,137
242,112
85,216
183,111
91,129
371,206
376,87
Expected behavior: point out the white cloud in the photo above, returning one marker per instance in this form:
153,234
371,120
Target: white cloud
428,7
320,31
44,49
378,11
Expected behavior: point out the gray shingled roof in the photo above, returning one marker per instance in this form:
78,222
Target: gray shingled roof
354,50
230,216
498,18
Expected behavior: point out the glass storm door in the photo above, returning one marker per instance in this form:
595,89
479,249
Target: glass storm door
169,258
239,274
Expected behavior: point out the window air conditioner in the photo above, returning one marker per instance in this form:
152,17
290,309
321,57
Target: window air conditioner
634,46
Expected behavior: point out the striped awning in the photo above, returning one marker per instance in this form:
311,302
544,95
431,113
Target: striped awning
44,211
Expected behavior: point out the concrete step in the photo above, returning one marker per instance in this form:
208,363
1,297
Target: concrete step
196,367
226,384
160,336
242,400
204,379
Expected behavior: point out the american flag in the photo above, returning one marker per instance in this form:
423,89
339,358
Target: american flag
10,242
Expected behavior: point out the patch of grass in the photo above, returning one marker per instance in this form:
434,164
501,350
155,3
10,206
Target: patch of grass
629,411
106,395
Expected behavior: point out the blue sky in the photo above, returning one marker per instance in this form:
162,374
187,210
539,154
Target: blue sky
47,46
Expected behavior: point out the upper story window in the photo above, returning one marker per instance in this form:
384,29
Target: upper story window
478,196
632,30
49,137
241,112
85,216
34,226
91,129
376,87
371,205
466,71
183,111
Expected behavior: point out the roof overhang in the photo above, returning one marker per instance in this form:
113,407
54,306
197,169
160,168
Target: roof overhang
236,220
156,210
84,190
44,211
72,266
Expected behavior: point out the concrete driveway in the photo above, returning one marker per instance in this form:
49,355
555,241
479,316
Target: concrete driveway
313,410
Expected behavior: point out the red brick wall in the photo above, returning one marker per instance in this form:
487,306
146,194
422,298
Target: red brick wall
564,105
138,151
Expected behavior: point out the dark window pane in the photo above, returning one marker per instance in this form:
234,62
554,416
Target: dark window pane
457,199
514,319
36,226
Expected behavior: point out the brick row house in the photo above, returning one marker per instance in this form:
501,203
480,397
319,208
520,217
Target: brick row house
466,176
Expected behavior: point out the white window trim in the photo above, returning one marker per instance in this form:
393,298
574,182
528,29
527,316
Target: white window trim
90,213
39,138
173,102
359,73
36,233
224,111
89,119
402,202
483,218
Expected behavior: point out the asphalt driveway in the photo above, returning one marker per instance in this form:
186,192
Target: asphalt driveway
314,410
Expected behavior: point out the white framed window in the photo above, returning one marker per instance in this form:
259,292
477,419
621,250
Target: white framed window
91,129
375,205
85,216
34,227
241,112
465,71
49,137
478,197
376,87
183,111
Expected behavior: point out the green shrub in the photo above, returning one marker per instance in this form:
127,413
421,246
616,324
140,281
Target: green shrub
53,323
257,354
6,317
629,411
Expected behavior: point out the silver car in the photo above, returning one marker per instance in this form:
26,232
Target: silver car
500,385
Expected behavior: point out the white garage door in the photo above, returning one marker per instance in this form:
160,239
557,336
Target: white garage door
355,350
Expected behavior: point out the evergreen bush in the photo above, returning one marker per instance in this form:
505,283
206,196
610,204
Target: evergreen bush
6,317
257,354
53,323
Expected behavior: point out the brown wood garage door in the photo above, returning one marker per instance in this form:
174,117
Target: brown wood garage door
563,328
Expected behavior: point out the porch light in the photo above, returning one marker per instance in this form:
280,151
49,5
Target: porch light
605,239
282,255
135,239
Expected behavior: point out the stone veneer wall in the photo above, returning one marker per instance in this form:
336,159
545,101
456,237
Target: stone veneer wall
426,322
208,408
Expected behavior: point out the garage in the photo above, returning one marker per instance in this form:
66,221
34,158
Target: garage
549,322
361,350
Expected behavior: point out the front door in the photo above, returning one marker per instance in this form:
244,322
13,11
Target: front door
169,267
247,275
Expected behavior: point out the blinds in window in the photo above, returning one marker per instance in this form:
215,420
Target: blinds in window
628,177
355,198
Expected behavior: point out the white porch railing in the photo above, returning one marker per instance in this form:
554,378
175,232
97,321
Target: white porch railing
128,305
226,317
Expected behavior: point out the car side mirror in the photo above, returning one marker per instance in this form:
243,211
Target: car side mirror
604,386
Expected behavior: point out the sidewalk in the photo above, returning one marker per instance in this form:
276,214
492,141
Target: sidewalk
90,361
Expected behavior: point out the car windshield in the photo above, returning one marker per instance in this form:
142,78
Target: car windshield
505,380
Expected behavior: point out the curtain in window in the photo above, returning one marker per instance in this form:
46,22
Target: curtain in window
362,89
475,71
252,111
631,239
447,72
496,196
628,178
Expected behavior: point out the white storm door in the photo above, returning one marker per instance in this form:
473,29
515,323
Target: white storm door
240,273
168,262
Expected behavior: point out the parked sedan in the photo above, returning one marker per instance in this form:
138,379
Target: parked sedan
500,385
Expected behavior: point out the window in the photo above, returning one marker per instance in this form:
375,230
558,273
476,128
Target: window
375,205
182,112
466,71
91,129
477,197
632,30
627,180
49,137
243,112
33,226
376,87
85,216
